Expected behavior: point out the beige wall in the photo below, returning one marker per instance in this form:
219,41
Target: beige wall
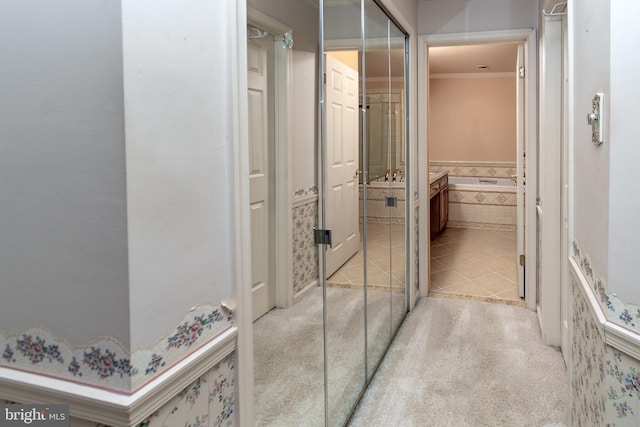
472,119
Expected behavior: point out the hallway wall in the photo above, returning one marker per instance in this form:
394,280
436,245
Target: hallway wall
603,263
472,119
119,202
458,16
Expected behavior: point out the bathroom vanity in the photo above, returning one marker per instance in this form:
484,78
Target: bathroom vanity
439,201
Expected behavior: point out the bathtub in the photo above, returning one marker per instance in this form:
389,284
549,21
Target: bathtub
482,202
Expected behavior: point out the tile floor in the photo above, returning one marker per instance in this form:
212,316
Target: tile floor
381,260
475,264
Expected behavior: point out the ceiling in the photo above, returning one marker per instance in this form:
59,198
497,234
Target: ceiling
498,57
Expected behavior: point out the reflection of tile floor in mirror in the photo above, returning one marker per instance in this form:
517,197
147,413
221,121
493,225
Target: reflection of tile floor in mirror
475,264
379,238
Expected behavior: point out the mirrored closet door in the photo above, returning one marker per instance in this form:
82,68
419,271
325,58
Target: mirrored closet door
321,332
362,162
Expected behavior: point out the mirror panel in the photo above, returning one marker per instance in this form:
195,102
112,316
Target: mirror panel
376,149
398,161
344,286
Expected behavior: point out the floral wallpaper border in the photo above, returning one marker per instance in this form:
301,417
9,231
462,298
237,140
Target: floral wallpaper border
208,401
305,252
304,192
588,360
106,363
617,311
606,383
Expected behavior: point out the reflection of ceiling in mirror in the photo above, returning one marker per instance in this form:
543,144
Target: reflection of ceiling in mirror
377,64
497,57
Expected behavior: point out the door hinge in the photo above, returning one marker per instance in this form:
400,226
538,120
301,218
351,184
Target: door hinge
522,260
521,72
321,236
324,78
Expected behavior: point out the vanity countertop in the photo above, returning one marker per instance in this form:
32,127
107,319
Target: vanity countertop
434,176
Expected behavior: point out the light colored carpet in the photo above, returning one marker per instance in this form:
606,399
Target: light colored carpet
466,363
288,355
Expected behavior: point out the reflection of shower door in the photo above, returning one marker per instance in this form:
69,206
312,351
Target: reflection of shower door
260,143
341,196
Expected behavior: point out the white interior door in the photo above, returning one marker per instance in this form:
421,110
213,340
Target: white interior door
341,193
520,165
261,198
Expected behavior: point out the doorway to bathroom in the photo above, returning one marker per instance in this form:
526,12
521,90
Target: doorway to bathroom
479,129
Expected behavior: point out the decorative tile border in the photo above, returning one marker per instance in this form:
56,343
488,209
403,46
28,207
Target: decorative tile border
498,198
480,169
383,219
617,311
377,193
481,225
106,363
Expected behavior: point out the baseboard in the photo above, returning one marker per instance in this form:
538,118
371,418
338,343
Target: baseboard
305,291
111,408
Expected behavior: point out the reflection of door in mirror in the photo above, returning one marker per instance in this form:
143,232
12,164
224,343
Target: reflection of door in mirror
342,162
288,340
261,141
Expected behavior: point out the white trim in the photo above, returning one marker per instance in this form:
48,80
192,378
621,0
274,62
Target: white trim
111,408
240,146
305,291
612,334
304,200
528,37
471,75
550,180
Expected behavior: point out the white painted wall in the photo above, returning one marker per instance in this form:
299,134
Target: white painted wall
589,74
457,16
302,18
624,185
63,257
179,191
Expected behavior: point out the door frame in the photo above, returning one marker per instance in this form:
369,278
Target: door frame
528,38
283,92
551,179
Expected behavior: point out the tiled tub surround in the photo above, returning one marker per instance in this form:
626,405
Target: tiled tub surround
480,205
377,210
606,351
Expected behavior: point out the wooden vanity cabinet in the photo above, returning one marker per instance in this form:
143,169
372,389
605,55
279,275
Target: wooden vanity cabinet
439,196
